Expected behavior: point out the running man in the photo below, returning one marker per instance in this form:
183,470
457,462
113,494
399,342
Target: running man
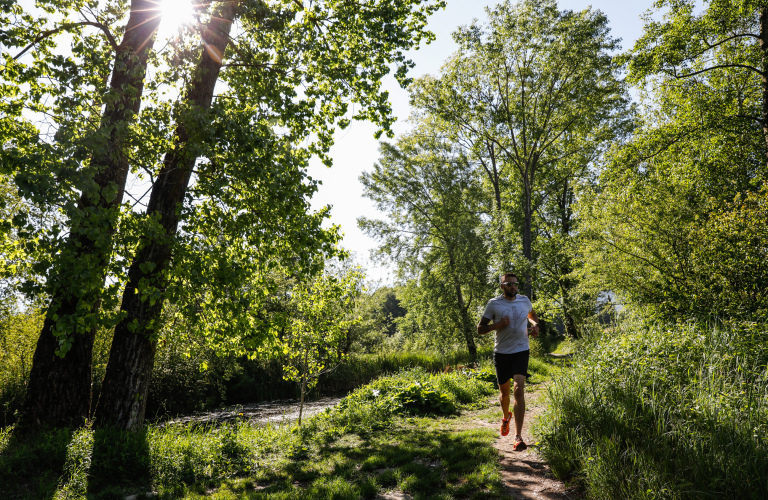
510,314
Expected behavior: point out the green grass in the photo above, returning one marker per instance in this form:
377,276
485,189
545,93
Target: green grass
672,412
392,434
382,437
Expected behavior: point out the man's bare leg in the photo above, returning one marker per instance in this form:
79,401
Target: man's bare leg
519,406
504,398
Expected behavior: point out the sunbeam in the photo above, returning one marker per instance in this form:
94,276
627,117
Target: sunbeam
175,14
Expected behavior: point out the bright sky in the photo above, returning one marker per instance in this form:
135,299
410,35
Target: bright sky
356,150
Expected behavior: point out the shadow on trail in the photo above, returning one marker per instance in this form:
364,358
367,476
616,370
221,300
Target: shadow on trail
65,463
421,461
31,464
120,462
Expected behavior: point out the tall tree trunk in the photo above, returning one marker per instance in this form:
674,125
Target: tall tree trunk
123,397
303,385
565,268
463,309
527,243
493,173
501,240
59,390
763,42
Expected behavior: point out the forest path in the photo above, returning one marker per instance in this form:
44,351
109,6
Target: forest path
525,474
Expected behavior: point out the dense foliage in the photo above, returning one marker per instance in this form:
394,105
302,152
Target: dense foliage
486,181
673,401
427,190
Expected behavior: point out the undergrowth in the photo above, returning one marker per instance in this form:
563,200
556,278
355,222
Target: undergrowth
667,412
180,385
396,432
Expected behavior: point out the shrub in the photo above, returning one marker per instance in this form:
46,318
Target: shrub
538,349
18,337
413,391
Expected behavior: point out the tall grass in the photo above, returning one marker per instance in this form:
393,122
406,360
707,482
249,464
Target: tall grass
664,411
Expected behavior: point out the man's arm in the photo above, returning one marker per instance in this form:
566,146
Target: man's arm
534,320
484,327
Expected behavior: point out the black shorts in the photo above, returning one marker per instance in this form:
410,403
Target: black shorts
509,365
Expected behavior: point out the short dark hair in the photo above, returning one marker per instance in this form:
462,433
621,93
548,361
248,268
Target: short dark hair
511,275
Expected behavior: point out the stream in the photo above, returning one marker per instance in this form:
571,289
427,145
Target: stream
267,412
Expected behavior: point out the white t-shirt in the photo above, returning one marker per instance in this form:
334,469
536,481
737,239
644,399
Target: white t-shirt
512,338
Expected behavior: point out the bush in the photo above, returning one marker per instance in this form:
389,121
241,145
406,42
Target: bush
18,337
664,412
538,348
418,398
413,391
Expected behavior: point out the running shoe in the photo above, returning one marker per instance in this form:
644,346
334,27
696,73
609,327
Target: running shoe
519,444
505,426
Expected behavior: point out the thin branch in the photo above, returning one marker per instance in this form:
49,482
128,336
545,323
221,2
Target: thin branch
42,36
712,46
719,66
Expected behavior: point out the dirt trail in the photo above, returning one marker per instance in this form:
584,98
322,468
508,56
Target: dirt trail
525,474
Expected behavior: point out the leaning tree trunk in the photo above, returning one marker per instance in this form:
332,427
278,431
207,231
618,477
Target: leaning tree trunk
59,390
123,398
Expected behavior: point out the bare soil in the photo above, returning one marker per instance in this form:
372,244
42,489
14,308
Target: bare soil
526,475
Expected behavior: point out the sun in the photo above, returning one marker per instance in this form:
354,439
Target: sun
175,14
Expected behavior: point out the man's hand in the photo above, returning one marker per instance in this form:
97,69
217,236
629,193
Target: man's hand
484,326
534,332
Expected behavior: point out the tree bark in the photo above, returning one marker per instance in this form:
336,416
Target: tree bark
566,268
527,241
303,385
763,42
463,309
59,391
493,173
123,397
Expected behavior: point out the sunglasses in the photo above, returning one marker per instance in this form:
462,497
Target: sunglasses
510,283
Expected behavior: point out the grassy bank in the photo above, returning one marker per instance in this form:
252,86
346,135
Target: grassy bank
407,432
262,380
672,412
